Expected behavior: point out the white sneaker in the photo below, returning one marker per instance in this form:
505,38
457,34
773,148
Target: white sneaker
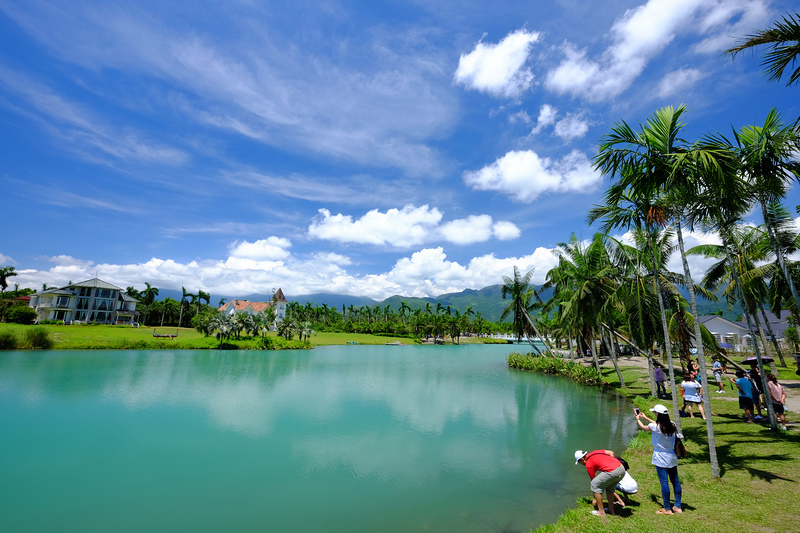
720,390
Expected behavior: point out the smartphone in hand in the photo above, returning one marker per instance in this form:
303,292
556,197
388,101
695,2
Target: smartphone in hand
636,411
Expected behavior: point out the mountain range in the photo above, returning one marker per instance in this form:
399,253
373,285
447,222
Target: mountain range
487,301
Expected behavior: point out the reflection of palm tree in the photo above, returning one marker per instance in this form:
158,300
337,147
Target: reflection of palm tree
784,40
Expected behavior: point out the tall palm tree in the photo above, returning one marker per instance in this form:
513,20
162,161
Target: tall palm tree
5,273
767,160
148,297
656,161
784,40
520,292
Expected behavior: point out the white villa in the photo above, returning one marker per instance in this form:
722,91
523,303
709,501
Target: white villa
93,300
253,308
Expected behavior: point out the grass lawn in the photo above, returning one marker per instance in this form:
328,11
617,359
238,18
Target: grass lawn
760,471
89,337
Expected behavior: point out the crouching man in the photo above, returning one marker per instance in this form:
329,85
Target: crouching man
605,471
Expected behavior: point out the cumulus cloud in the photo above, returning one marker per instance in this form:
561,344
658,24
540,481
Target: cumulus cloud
409,226
497,69
677,81
641,34
272,248
573,126
525,176
547,116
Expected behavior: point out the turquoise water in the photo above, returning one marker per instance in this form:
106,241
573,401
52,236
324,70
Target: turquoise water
350,438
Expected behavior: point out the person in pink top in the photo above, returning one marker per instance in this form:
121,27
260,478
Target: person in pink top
778,396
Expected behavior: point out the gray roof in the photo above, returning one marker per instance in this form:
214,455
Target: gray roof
96,283
57,291
127,297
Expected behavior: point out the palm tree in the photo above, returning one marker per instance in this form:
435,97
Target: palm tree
148,297
520,292
767,156
657,161
5,273
781,54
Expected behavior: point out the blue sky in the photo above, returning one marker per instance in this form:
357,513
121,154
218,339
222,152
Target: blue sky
366,148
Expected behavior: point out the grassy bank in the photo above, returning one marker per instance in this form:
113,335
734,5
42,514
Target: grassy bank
95,337
760,472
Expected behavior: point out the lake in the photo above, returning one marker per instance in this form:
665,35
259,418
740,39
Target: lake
335,439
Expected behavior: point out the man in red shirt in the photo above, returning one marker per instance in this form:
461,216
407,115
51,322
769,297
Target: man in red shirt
605,471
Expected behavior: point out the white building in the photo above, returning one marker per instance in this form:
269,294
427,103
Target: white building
93,300
253,308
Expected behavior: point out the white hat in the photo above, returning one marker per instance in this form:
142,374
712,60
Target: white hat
660,409
579,455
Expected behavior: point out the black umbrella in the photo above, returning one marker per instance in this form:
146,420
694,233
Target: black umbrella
752,360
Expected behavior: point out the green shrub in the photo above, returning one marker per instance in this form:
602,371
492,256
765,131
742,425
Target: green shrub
549,364
21,314
38,339
8,341
279,343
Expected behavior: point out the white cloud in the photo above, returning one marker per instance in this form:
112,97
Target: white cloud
571,127
409,226
644,32
475,228
506,231
678,81
6,261
526,176
397,227
271,248
547,116
497,69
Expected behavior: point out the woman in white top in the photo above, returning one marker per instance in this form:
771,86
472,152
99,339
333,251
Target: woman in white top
664,457
692,395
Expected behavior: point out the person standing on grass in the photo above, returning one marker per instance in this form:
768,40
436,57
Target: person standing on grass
692,395
605,471
778,396
660,379
755,379
717,369
664,457
745,387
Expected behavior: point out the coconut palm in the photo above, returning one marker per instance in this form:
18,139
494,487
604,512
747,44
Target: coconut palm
148,297
783,38
518,289
767,161
656,162
5,273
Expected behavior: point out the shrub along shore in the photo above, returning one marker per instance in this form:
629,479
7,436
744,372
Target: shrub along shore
760,470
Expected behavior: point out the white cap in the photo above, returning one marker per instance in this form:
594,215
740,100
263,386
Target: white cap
660,409
579,455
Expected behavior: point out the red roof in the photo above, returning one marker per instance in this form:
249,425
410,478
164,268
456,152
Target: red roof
241,305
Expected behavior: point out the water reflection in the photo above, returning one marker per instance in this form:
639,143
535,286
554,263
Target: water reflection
366,420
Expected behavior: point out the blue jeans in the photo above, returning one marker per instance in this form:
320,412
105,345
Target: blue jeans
673,476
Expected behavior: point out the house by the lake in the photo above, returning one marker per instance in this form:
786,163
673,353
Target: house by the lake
92,300
237,306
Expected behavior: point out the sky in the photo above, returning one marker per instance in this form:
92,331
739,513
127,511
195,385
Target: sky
381,148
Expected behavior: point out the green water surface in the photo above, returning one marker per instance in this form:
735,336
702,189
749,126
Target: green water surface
348,438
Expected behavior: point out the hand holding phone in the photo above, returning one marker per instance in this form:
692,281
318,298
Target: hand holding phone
636,411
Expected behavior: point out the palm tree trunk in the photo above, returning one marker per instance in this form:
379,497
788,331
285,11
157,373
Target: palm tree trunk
763,336
712,447
740,291
593,348
610,348
772,336
667,347
539,335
